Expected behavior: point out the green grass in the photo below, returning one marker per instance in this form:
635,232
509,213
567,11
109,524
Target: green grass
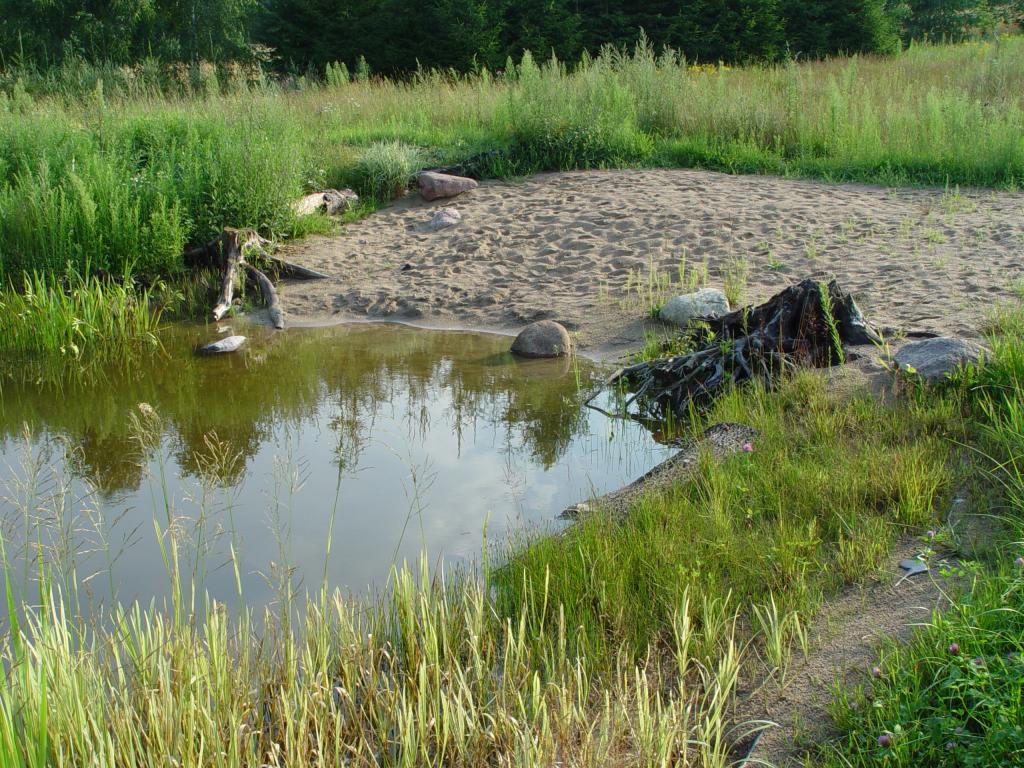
77,318
954,695
818,503
121,177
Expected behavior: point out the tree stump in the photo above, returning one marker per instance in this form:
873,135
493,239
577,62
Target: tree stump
806,324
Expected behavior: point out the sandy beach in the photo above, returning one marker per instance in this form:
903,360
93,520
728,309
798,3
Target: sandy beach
573,247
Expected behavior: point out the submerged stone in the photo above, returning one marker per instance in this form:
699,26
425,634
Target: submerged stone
229,344
545,338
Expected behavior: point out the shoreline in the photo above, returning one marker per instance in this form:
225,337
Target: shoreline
599,251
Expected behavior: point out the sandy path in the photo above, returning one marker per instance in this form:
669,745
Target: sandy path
845,639
564,246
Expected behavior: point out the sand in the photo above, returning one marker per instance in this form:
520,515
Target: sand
570,247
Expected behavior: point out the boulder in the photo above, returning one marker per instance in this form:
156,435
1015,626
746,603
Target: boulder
933,360
545,338
225,345
434,185
707,302
329,201
444,218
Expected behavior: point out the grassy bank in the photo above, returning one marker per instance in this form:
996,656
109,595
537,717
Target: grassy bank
954,695
114,179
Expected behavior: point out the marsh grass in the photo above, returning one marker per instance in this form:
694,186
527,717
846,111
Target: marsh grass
427,673
648,289
77,317
385,169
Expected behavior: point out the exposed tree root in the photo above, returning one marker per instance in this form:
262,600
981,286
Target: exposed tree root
227,252
806,324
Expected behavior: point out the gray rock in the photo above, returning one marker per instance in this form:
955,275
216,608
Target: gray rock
329,201
933,360
444,218
228,344
545,338
707,302
434,185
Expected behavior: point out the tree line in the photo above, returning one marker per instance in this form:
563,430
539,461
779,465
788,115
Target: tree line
397,36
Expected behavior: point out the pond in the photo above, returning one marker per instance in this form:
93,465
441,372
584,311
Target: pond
310,454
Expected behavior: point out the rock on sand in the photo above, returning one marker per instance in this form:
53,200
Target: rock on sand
444,218
707,302
434,185
933,360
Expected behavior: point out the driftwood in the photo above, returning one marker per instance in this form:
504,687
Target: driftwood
233,244
228,252
718,440
329,201
269,296
806,324
293,270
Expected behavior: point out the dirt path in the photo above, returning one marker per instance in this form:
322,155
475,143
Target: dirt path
845,639
574,246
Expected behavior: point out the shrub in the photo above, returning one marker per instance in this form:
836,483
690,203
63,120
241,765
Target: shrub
384,170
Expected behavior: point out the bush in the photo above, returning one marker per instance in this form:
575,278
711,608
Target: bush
384,170
129,192
93,220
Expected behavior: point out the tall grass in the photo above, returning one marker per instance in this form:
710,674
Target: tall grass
77,317
817,503
122,175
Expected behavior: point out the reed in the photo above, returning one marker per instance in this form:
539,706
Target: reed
77,317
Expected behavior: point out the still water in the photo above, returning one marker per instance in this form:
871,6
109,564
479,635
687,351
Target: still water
333,451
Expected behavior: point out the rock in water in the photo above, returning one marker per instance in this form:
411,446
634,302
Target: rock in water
435,185
444,218
933,360
707,302
545,338
330,201
229,344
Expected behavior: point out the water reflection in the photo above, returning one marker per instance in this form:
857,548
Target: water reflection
394,439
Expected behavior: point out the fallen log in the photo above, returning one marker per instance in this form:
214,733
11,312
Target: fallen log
228,251
291,269
269,296
806,324
718,440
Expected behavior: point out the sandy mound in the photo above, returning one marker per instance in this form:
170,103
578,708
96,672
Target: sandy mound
569,246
